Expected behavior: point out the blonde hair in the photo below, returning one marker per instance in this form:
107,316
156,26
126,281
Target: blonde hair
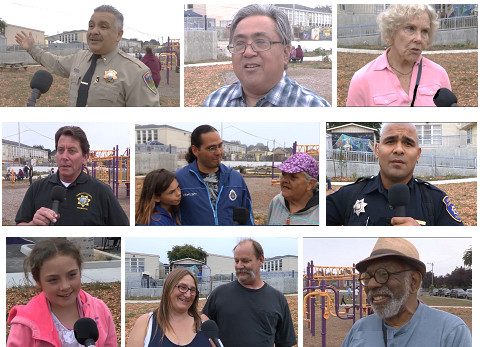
396,15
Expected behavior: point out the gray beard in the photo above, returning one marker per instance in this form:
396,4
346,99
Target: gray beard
394,305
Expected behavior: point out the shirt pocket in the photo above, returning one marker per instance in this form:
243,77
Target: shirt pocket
429,90
385,99
105,94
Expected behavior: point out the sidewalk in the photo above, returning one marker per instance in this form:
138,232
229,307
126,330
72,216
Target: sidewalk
376,51
319,58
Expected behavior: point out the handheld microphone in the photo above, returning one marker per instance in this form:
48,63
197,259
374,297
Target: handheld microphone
399,197
445,98
86,331
58,195
240,215
210,329
40,84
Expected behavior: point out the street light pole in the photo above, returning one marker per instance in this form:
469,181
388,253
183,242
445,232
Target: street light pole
432,271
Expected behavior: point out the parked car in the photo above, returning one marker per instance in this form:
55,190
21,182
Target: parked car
469,294
458,293
435,292
444,292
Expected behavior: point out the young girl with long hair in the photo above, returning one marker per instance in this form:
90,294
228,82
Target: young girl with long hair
159,199
48,318
176,322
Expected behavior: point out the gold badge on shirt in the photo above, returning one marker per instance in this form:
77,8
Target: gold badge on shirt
110,76
83,201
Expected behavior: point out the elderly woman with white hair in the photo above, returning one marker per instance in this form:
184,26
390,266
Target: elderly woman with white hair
401,76
297,204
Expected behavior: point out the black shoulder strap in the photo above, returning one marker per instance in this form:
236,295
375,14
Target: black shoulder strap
419,74
427,200
352,198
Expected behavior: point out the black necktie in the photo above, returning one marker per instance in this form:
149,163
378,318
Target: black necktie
85,84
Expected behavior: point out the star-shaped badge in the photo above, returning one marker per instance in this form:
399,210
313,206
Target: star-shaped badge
359,207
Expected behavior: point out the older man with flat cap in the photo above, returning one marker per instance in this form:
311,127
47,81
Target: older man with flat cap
391,276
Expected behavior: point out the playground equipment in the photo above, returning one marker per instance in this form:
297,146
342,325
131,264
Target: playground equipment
111,168
167,55
312,150
315,286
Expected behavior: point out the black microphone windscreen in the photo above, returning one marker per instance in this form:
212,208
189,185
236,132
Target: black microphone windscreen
210,329
241,215
398,194
444,98
58,193
85,329
41,80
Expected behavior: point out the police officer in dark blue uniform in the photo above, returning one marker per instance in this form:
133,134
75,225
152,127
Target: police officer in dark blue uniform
365,202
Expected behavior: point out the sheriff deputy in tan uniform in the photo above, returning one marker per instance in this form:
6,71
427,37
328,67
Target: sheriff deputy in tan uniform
103,75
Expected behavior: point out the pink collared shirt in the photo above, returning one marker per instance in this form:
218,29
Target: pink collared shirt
376,84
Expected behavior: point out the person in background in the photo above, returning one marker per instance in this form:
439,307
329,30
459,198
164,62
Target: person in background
154,64
299,53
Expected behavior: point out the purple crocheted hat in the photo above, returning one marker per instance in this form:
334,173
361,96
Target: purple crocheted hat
300,162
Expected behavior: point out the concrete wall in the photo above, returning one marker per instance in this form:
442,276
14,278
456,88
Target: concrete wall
146,162
24,57
200,45
362,169
284,285
446,38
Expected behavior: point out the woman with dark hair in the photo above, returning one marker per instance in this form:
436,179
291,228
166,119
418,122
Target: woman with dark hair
159,199
176,321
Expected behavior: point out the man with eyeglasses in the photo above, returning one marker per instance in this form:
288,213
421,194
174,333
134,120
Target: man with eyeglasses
248,311
260,38
392,276
212,193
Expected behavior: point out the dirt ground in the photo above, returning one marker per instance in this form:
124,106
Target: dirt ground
337,328
133,311
15,87
463,196
262,191
12,198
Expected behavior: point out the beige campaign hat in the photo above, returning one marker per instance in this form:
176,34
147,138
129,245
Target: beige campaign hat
393,247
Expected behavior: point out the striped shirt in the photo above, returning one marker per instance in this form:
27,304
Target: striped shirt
286,93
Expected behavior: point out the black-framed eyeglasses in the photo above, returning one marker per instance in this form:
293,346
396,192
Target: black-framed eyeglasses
239,47
184,289
381,275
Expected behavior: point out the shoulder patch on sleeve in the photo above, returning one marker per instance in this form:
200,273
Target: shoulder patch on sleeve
147,78
452,211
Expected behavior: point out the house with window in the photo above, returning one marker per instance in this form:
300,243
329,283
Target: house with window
137,264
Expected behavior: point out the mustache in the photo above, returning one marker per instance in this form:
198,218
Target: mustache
95,37
379,291
251,273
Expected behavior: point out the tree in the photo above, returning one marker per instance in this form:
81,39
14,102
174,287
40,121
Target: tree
374,125
467,257
186,251
3,24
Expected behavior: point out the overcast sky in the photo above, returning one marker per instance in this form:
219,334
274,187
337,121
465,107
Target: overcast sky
100,135
444,253
216,245
142,20
252,133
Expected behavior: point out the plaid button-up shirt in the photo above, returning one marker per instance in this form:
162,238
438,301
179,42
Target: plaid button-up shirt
286,93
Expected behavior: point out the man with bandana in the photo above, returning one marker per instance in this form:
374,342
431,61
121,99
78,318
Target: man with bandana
103,75
248,311
211,192
392,276
366,202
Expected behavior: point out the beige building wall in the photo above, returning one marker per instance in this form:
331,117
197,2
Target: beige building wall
288,263
175,137
151,263
220,264
11,30
12,151
219,12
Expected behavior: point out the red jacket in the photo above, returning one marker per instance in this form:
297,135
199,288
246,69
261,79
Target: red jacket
32,324
154,64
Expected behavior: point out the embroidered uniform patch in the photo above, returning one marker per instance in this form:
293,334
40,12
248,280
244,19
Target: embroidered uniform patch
147,78
83,201
232,195
452,211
